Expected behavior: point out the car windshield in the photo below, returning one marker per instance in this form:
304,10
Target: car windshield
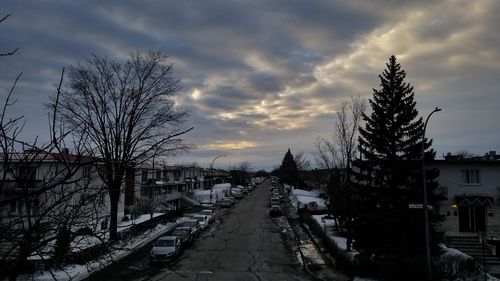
190,223
180,232
206,212
164,243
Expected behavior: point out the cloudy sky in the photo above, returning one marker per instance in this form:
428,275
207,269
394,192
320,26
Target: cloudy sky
259,77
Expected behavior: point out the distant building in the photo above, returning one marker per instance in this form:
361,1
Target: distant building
161,188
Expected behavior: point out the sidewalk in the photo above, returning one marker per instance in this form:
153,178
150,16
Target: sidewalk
78,272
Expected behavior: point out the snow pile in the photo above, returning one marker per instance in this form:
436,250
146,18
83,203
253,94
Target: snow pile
457,266
322,221
122,226
302,198
76,272
301,192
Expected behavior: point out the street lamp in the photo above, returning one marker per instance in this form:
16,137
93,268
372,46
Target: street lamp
211,174
426,215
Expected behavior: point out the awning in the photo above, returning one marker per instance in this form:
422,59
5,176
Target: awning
474,200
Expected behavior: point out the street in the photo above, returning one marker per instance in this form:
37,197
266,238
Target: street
243,245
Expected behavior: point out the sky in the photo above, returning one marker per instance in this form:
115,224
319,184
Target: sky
259,77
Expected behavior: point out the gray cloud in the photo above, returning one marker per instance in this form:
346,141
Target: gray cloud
268,75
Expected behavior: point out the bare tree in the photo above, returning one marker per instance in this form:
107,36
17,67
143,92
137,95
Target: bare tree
335,154
126,112
47,196
239,172
9,53
303,164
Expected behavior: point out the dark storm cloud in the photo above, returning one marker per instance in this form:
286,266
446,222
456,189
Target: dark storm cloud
265,82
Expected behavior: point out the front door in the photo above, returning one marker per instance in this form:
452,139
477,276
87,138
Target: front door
471,218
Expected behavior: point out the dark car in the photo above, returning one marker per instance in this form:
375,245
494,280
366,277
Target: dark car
275,211
193,224
185,235
274,201
164,249
224,203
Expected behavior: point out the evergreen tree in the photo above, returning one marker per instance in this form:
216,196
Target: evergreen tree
389,176
289,173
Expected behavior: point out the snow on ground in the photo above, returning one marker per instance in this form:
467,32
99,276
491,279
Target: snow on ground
76,272
340,241
301,201
320,220
301,192
122,226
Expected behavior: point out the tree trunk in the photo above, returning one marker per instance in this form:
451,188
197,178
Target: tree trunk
114,197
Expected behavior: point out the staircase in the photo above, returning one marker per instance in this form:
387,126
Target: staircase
192,201
471,245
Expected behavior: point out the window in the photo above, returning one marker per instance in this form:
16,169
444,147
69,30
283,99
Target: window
86,171
144,175
470,176
26,176
158,174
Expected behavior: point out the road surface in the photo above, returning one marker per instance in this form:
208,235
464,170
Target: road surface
243,245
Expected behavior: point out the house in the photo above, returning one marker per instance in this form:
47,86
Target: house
44,194
471,194
159,188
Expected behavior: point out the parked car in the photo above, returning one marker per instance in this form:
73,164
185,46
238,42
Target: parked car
202,219
165,248
193,224
224,203
274,201
275,210
237,194
230,199
209,213
185,235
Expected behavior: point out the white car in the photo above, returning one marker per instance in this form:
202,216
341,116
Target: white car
202,219
209,213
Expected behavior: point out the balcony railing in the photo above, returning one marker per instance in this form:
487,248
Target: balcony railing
12,187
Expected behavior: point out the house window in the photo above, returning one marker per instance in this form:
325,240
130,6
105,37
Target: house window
26,177
470,176
158,175
86,171
144,175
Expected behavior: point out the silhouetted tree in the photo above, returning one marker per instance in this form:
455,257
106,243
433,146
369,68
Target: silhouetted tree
389,176
44,196
126,112
289,173
335,155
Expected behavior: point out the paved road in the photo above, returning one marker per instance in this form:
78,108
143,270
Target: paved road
247,245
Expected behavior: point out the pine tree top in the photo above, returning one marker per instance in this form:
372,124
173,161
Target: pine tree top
393,130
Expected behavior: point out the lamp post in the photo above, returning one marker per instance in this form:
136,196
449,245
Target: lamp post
426,214
211,174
